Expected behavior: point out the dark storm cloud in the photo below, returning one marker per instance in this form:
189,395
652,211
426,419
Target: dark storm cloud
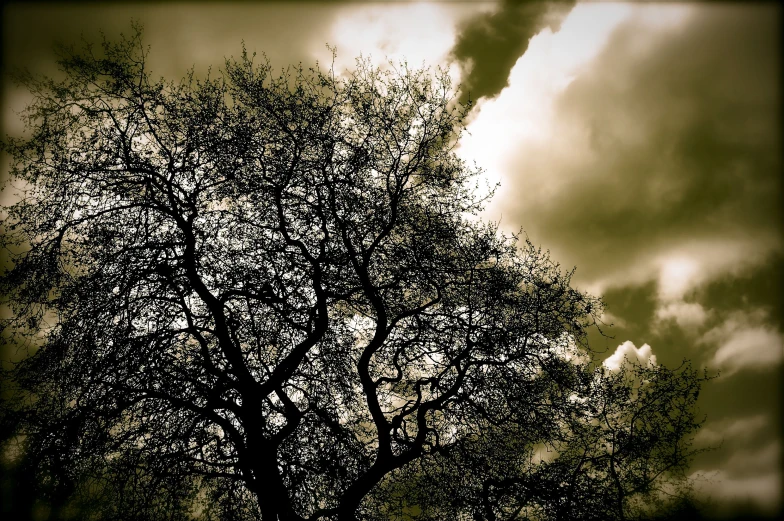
181,35
665,139
489,45
670,141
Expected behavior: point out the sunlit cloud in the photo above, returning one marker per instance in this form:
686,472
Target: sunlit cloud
417,33
745,340
625,168
688,315
612,319
677,275
628,352
522,117
489,45
756,347
696,263
640,143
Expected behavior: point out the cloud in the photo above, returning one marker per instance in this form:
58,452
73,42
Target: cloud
488,46
688,315
522,118
684,268
676,276
414,32
763,489
656,159
754,459
613,320
180,35
732,430
752,474
628,352
756,347
745,340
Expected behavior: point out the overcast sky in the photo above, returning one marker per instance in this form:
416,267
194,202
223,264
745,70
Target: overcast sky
639,143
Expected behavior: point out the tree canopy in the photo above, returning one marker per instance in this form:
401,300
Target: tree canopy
263,296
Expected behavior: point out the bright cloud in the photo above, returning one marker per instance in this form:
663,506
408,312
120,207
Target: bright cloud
614,320
631,171
745,340
677,275
688,315
689,266
419,33
523,117
523,113
757,347
628,352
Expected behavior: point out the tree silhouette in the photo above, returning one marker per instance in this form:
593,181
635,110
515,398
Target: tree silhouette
269,297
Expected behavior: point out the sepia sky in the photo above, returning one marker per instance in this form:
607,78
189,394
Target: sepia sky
639,142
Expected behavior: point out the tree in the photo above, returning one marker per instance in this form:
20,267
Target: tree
269,297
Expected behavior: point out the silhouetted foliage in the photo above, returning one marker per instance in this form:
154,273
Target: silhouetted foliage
269,297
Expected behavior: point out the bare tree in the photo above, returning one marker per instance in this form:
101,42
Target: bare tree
268,297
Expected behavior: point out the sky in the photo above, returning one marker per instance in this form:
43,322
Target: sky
639,142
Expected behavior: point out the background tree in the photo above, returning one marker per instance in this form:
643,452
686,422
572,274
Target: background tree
268,297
